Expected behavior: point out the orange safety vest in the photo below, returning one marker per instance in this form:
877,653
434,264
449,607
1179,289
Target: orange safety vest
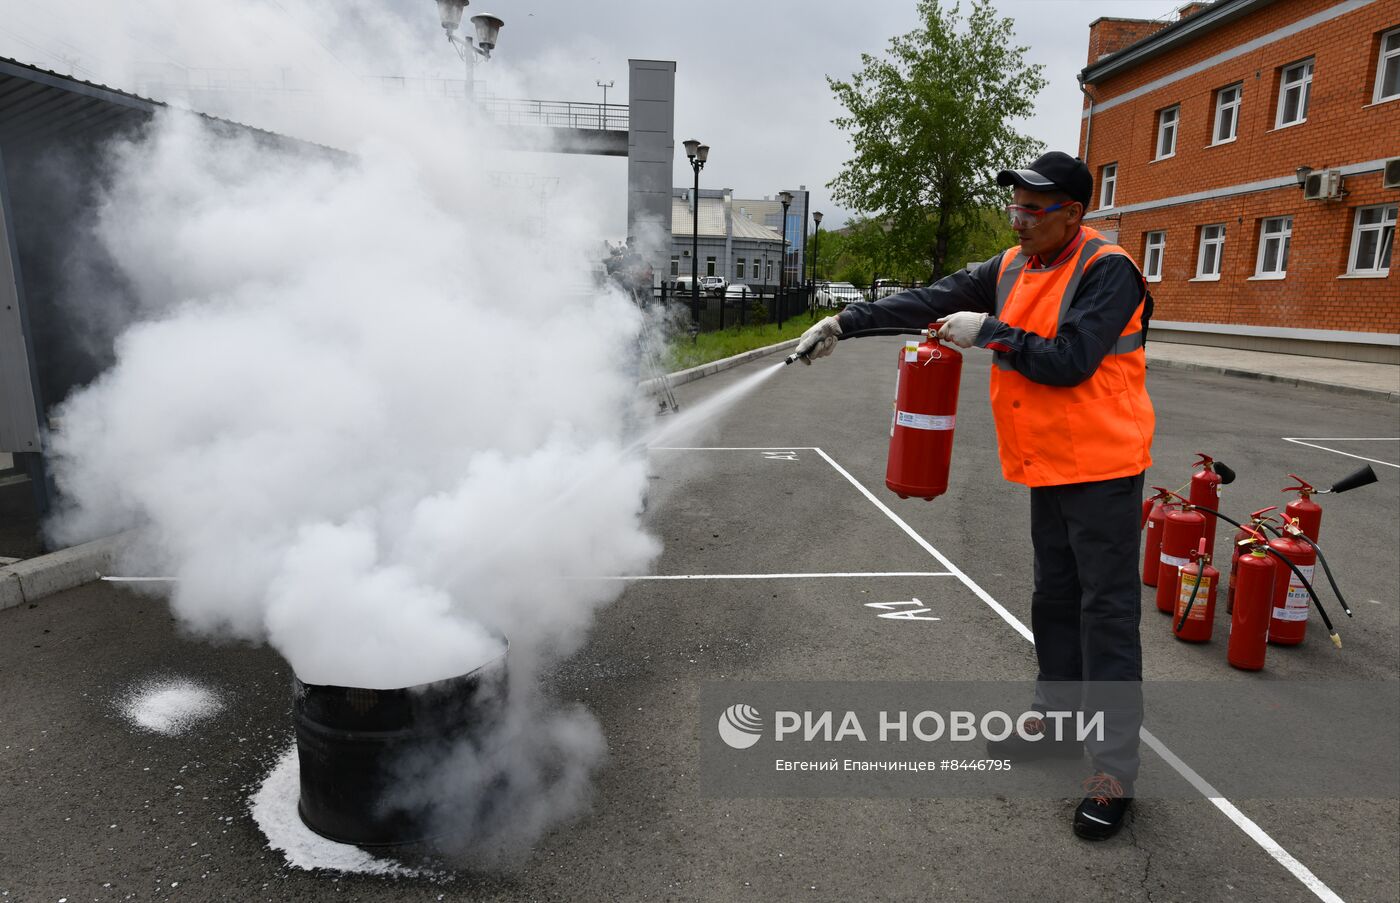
1053,435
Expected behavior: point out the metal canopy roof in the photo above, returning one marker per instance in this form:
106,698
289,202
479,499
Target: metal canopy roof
38,105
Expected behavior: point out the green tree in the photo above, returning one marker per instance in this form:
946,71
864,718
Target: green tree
931,122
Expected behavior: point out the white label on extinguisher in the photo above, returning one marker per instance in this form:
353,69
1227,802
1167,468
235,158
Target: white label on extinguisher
1198,608
1297,601
1174,561
911,351
924,421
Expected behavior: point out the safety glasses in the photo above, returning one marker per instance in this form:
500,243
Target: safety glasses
1026,217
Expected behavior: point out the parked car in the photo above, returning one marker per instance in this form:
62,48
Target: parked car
883,288
715,285
834,294
738,291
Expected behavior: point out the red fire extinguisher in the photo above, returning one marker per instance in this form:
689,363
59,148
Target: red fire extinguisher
1195,608
1205,493
1303,509
1289,622
1237,548
925,409
1154,515
1249,623
1181,533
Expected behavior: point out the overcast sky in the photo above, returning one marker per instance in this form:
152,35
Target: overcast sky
750,74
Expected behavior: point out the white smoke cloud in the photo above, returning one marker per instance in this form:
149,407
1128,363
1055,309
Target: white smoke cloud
370,407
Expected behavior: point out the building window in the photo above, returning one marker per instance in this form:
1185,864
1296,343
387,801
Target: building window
739,269
754,273
1108,184
675,266
1372,237
1294,87
1227,114
1212,250
1166,131
1154,247
709,266
1275,235
768,277
1388,67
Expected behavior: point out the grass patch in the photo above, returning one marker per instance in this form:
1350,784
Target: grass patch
714,346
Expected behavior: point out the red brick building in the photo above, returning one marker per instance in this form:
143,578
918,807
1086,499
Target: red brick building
1248,155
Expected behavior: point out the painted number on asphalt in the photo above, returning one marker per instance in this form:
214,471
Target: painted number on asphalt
904,611
780,456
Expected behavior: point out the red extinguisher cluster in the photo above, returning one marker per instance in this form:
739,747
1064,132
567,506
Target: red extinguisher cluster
1270,593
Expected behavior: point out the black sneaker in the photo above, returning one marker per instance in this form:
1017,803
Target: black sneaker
1018,749
1101,813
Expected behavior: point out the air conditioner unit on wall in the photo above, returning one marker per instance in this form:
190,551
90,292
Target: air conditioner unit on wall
1322,185
1390,177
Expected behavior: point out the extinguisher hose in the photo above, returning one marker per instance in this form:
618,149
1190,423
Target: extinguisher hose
1200,576
1332,631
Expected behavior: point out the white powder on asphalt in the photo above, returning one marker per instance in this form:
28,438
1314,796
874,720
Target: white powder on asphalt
274,808
170,707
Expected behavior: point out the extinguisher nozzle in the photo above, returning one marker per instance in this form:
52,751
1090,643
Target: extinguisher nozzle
1227,474
1336,640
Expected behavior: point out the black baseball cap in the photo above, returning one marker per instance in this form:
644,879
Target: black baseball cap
1055,171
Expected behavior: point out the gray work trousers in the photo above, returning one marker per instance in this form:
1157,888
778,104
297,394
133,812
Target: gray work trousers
1085,610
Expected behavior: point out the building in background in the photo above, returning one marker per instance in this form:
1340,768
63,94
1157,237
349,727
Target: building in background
739,238
1248,155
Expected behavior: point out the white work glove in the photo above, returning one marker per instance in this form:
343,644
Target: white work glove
961,328
819,341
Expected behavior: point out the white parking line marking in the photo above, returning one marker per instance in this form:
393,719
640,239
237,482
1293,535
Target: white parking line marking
783,576
1298,441
732,448
1256,833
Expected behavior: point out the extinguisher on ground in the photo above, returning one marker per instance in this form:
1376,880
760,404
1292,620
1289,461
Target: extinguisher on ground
1308,513
1249,622
1195,609
1154,515
1182,531
1205,490
1237,548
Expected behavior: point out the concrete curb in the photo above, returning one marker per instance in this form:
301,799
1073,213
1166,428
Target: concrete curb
681,377
1275,378
34,578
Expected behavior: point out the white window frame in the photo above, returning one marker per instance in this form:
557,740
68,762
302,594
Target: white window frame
769,270
675,266
739,267
1386,227
1108,184
1167,126
1210,239
1276,230
1385,58
1303,83
1232,107
710,266
754,273
1154,241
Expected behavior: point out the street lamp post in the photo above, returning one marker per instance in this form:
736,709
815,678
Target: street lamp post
488,30
698,154
786,199
816,255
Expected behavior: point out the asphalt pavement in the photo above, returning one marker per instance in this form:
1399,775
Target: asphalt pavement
774,554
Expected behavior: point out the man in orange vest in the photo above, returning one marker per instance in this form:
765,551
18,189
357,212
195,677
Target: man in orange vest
1064,314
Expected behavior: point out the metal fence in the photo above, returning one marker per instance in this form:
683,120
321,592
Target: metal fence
557,113
711,312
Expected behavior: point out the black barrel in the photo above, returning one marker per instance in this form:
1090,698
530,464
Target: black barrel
351,743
